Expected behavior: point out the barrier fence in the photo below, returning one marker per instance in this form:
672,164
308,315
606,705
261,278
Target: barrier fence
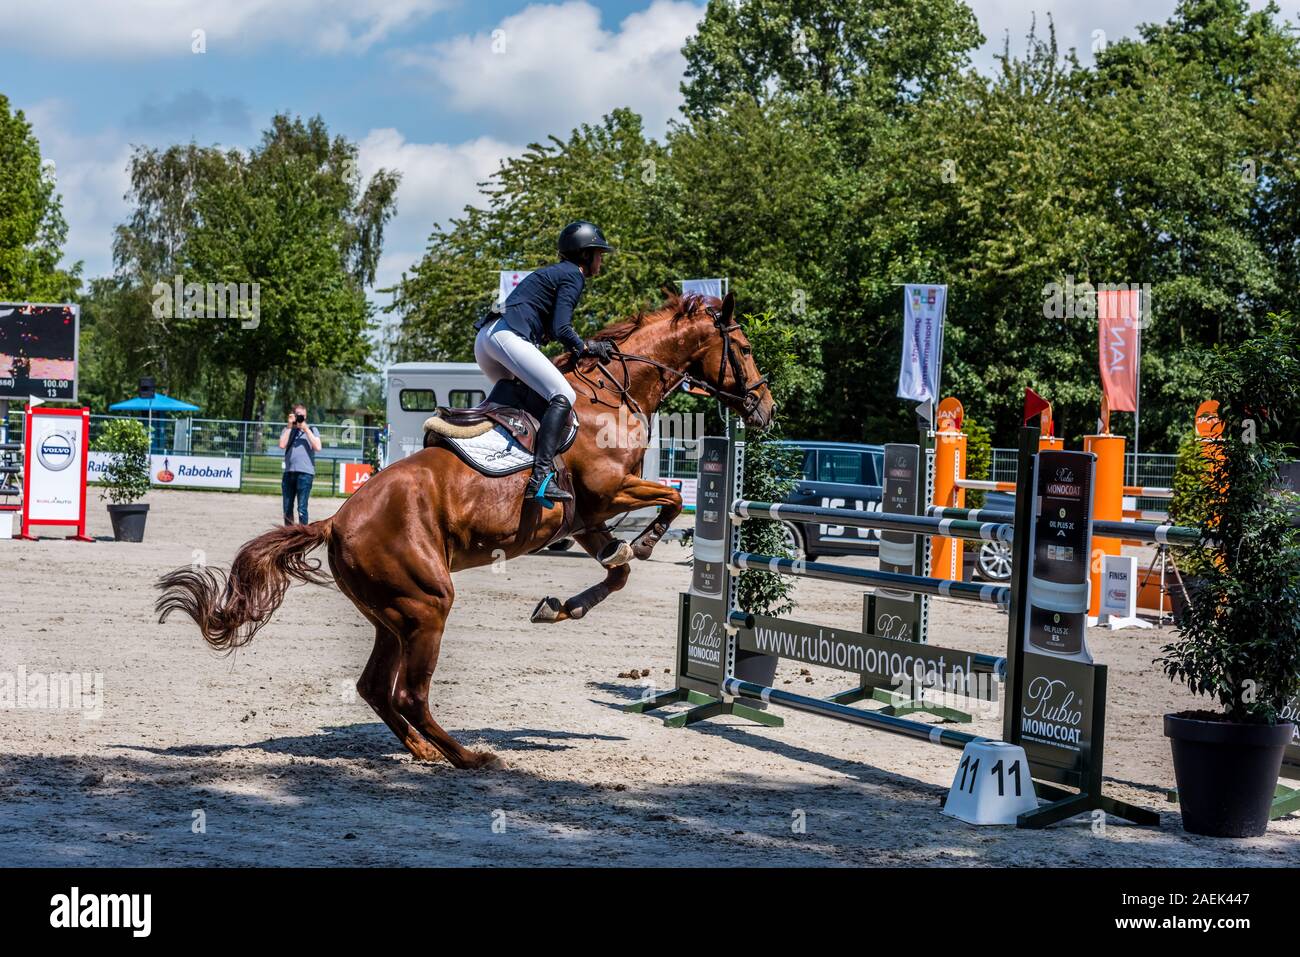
1053,694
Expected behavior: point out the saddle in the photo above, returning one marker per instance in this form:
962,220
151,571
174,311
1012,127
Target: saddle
497,437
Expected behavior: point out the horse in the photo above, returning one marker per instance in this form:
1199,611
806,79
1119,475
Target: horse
394,545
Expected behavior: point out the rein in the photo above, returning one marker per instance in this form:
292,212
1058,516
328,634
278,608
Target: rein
748,400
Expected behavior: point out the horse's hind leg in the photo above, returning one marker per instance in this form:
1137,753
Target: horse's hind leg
376,686
421,641
597,544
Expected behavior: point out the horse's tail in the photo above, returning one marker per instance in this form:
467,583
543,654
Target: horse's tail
230,608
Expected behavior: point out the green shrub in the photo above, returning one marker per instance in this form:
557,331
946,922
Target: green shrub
126,477
1239,640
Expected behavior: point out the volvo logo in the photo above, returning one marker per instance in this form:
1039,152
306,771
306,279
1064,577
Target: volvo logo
56,451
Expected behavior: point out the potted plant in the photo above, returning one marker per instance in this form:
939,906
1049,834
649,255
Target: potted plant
1238,639
125,477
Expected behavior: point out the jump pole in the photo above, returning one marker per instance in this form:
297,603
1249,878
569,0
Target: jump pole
713,631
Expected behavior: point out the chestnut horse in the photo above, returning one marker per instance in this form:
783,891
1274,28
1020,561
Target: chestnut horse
394,544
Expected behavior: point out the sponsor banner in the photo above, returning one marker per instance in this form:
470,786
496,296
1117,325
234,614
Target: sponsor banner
882,662
923,313
55,467
1056,726
181,471
195,471
1119,325
1061,538
507,279
686,488
355,475
711,504
895,614
704,645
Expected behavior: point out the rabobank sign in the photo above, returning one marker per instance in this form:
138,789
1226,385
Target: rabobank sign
179,471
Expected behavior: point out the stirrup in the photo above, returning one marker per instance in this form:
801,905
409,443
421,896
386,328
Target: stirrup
556,495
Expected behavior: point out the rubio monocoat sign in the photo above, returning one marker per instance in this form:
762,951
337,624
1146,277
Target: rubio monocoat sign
187,471
1062,535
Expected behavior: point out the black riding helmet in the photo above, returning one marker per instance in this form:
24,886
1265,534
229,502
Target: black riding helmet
577,237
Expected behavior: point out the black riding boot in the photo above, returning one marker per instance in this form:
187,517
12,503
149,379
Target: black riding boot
551,432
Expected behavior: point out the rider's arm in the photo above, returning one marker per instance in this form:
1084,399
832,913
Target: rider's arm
566,298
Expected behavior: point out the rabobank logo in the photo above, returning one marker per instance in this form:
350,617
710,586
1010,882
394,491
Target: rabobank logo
56,451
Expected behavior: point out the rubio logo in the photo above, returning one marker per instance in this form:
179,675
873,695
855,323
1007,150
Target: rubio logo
56,451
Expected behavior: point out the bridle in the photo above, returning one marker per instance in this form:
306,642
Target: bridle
748,399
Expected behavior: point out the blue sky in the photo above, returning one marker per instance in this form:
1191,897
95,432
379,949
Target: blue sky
417,83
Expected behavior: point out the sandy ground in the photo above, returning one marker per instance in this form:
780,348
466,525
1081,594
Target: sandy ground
270,758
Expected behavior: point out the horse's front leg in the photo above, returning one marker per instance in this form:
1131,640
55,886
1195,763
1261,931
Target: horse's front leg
603,547
637,493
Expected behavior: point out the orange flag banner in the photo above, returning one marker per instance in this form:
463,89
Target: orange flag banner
1119,313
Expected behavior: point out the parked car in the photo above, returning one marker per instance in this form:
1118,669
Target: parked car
835,475
993,559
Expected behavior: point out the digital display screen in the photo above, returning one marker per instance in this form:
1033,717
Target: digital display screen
38,350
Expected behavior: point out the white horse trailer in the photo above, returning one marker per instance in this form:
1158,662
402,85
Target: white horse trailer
416,389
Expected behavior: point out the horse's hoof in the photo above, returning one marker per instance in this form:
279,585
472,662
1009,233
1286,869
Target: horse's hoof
547,611
615,554
493,763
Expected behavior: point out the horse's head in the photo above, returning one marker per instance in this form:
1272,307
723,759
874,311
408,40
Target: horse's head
725,360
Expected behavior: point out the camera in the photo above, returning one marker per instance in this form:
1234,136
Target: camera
300,419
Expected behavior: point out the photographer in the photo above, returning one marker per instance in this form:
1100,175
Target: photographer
300,443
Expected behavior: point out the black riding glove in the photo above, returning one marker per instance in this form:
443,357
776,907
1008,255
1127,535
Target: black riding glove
602,349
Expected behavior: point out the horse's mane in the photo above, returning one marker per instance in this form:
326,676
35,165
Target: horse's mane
676,309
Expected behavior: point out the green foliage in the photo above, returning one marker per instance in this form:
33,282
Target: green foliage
126,476
770,473
32,227
1239,641
291,216
979,458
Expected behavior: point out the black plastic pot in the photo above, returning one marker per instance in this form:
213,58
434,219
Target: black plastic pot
128,521
1227,772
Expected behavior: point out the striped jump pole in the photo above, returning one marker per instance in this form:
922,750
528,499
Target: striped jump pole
999,595
1134,491
935,734
1133,531
949,526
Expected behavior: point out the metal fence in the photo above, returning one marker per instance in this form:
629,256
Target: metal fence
1143,468
255,444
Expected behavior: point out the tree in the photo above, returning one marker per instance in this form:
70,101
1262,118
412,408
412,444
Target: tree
32,228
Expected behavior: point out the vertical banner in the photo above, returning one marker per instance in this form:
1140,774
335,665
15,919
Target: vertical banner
56,450
923,313
1061,538
703,651
1119,330
507,279
702,287
898,614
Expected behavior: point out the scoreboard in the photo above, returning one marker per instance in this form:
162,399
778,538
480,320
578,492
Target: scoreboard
38,350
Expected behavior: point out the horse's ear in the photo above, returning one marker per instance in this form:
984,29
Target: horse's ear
728,307
670,291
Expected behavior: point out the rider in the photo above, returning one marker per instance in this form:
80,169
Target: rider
538,311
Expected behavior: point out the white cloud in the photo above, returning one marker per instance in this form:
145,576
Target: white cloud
122,28
549,68
91,175
438,181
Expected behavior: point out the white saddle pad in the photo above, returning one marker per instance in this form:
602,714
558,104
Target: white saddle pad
496,452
